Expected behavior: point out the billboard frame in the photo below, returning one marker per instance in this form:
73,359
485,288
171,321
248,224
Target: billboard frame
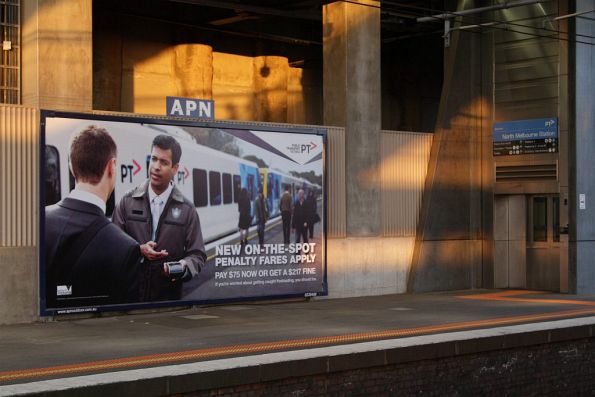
180,122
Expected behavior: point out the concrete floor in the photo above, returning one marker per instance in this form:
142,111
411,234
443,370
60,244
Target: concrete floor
222,329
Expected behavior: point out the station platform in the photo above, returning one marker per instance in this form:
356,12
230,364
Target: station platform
205,348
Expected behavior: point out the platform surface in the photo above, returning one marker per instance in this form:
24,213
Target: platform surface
76,347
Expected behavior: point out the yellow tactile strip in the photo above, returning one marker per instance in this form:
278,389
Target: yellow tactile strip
245,349
511,296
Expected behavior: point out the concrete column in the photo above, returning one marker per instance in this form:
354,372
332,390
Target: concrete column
581,246
296,112
57,54
192,70
271,74
457,207
351,91
233,86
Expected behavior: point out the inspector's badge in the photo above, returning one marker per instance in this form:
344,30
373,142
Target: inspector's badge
176,212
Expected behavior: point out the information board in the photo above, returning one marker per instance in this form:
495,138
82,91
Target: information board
525,137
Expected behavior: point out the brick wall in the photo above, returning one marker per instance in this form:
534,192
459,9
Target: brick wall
563,368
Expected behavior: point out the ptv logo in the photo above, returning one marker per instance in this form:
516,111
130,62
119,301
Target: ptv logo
303,148
307,148
127,171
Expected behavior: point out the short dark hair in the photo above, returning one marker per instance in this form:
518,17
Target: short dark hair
90,151
166,142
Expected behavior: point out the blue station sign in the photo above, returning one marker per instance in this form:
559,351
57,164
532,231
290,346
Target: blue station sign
525,137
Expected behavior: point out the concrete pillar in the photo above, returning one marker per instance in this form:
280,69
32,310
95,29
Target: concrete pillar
271,74
351,91
233,86
192,70
296,112
454,230
581,267
57,54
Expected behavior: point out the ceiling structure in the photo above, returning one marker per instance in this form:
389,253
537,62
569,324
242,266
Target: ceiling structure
291,28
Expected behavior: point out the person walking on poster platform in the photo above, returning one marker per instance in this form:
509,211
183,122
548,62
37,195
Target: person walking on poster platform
89,260
301,218
285,208
165,223
245,216
314,217
261,211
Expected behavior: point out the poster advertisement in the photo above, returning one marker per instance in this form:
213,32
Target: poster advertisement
239,214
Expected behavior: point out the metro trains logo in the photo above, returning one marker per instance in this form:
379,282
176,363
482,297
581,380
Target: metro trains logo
297,148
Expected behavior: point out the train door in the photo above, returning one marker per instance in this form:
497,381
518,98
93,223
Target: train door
543,242
53,192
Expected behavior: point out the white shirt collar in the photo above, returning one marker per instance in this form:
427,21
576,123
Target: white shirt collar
87,198
163,196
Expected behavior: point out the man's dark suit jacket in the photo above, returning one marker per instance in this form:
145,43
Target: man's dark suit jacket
107,269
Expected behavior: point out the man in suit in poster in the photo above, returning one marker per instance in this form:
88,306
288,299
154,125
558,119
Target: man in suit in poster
89,260
301,218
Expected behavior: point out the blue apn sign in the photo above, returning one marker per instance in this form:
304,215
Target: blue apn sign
191,108
525,137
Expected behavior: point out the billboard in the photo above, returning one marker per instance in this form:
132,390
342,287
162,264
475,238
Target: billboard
239,214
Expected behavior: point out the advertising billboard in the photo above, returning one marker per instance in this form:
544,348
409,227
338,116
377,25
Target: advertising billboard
158,212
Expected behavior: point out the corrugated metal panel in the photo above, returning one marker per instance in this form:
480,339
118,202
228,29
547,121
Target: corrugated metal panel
19,143
337,197
403,169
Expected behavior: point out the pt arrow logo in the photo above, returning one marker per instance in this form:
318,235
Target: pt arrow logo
137,167
127,171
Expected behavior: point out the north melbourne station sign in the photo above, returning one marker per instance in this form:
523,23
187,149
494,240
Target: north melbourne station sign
525,137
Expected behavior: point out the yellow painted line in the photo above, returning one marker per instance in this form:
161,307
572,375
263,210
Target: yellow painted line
511,296
220,352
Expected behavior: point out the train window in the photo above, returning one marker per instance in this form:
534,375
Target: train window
199,182
270,186
227,189
215,187
237,186
52,175
250,187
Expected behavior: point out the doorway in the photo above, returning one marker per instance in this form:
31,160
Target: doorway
543,242
527,241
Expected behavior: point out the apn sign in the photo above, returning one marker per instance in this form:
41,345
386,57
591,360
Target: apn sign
192,108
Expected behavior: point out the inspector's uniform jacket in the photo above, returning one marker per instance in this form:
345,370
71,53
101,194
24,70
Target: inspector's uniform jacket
178,232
